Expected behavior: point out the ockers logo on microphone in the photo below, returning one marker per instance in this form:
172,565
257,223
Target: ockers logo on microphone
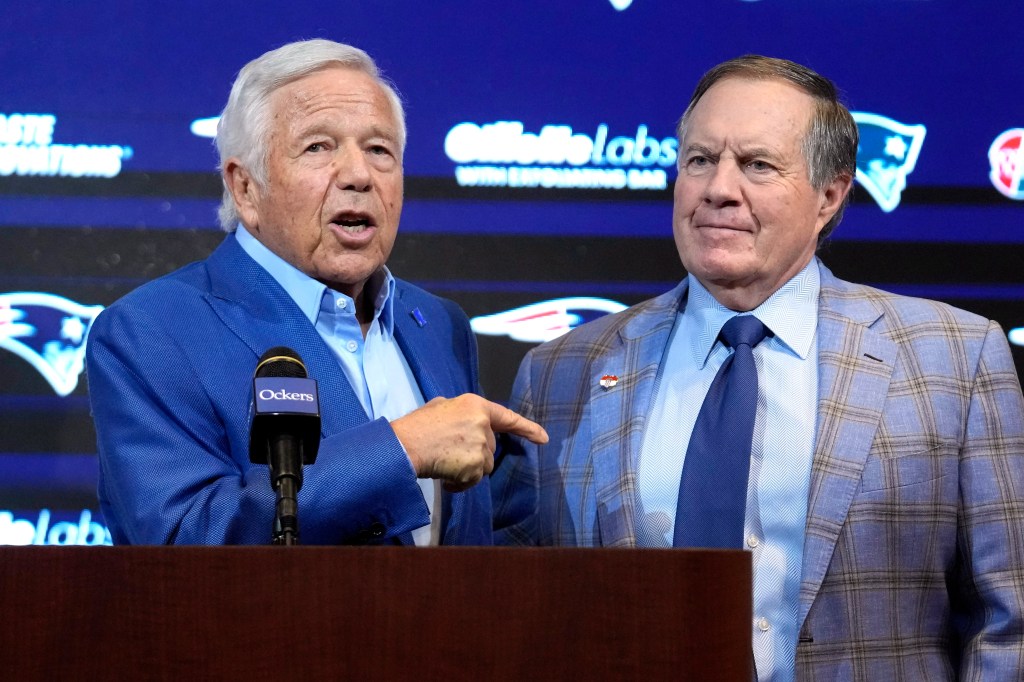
285,395
267,394
505,154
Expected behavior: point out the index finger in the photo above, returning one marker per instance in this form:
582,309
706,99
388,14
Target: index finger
504,420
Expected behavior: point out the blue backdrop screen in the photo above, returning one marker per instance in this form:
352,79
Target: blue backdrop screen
540,162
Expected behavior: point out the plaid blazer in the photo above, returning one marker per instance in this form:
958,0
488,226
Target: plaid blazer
913,565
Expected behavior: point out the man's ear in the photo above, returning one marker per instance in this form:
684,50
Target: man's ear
832,198
244,191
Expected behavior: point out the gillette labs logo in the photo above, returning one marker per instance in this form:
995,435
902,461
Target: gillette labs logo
27,148
83,531
504,154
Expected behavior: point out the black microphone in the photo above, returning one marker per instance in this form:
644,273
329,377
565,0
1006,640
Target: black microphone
285,431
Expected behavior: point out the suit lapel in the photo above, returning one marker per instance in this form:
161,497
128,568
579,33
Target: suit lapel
259,311
619,413
855,363
420,347
262,315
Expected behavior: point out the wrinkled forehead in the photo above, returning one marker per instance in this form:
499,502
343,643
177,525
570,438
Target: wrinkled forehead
332,85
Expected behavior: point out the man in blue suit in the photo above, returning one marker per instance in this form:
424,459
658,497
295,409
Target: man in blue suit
884,508
311,145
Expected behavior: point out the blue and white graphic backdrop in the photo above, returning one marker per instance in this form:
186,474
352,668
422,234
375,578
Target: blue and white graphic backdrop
539,169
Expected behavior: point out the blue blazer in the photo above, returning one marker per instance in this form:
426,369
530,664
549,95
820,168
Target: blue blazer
170,370
913,565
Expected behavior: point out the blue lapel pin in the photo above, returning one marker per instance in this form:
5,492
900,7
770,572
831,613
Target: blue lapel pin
418,316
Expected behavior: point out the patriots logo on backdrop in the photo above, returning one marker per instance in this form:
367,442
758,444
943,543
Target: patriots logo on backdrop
48,332
540,322
886,156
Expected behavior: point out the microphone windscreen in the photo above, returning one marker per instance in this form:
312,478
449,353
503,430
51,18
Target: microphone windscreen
281,361
285,403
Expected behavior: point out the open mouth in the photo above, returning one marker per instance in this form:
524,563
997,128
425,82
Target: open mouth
352,223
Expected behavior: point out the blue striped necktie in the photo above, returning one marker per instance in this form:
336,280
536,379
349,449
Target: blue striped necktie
713,489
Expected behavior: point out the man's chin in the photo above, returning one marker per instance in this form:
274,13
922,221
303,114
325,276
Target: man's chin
350,275
721,268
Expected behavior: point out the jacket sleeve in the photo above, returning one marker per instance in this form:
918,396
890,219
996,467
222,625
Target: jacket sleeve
516,479
988,606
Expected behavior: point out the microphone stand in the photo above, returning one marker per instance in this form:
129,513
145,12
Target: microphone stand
286,476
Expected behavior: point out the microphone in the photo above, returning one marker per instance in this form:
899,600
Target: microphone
285,431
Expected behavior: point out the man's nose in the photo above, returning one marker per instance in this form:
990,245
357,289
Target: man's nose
352,169
723,186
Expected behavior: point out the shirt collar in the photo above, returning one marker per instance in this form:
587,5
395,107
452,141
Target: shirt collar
308,293
791,313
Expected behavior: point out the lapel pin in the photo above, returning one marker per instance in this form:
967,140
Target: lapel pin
609,380
418,316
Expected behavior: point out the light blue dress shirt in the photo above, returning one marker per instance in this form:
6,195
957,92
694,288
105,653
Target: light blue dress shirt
783,445
374,366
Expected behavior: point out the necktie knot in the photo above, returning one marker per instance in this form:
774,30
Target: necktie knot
743,330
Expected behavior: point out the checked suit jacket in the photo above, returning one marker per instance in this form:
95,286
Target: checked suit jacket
913,565
170,369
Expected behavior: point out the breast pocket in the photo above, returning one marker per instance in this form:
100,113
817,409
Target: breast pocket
915,475
905,514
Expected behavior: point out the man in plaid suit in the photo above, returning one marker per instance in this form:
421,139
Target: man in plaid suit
885,503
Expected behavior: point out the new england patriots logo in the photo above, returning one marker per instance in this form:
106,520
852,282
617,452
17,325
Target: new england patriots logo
886,156
48,332
539,322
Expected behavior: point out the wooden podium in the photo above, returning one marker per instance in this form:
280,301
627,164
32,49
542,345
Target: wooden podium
373,613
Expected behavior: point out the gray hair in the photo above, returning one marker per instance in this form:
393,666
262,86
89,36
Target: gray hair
830,145
244,126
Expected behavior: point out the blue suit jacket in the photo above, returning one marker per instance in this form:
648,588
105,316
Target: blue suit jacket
170,370
913,565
